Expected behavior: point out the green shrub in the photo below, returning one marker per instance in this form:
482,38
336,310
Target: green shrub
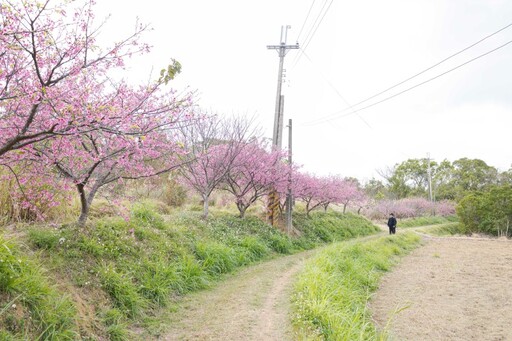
487,212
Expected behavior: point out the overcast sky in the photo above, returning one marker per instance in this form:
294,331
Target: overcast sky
359,49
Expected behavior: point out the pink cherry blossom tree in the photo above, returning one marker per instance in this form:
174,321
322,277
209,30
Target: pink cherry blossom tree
138,143
313,190
254,173
49,57
60,105
346,192
212,144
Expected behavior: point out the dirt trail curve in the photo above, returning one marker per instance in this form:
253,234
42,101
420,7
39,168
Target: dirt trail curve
449,289
254,304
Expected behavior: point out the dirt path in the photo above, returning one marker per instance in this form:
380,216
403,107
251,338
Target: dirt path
252,305
449,289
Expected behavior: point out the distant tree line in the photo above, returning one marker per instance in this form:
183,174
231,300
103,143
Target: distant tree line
450,180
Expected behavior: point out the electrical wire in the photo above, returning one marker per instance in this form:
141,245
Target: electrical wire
335,89
313,29
320,121
306,44
305,20
419,73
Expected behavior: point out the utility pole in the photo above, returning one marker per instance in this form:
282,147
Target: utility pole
429,178
289,194
277,135
282,50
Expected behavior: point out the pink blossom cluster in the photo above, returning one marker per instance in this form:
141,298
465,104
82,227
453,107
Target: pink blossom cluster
318,191
409,208
62,108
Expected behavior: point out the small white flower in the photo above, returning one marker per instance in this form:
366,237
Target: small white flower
62,240
14,306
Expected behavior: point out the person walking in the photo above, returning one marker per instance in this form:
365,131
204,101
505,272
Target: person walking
392,223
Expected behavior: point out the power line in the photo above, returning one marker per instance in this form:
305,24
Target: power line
320,121
318,21
419,73
305,20
316,28
335,89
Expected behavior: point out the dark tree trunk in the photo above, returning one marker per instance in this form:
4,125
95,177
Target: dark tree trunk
84,205
206,203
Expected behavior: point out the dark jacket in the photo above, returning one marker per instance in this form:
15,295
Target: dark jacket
392,222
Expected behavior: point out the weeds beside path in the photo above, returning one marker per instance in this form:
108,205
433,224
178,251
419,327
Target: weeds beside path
253,304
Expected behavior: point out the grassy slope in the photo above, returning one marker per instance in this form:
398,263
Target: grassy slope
116,273
428,220
331,295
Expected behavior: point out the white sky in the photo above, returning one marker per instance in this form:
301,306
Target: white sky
360,48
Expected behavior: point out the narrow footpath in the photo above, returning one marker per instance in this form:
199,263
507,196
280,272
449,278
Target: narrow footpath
253,304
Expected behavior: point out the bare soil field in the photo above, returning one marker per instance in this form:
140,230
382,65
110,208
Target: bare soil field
449,289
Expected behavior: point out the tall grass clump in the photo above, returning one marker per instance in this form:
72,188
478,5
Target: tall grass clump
331,294
30,308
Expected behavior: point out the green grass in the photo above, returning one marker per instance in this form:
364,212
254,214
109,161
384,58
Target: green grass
424,221
129,272
331,295
31,308
448,229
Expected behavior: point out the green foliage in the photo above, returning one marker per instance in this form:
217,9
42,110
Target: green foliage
31,308
428,220
451,181
331,295
487,212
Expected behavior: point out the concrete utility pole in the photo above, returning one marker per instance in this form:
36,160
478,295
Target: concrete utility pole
429,178
277,136
282,49
289,194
